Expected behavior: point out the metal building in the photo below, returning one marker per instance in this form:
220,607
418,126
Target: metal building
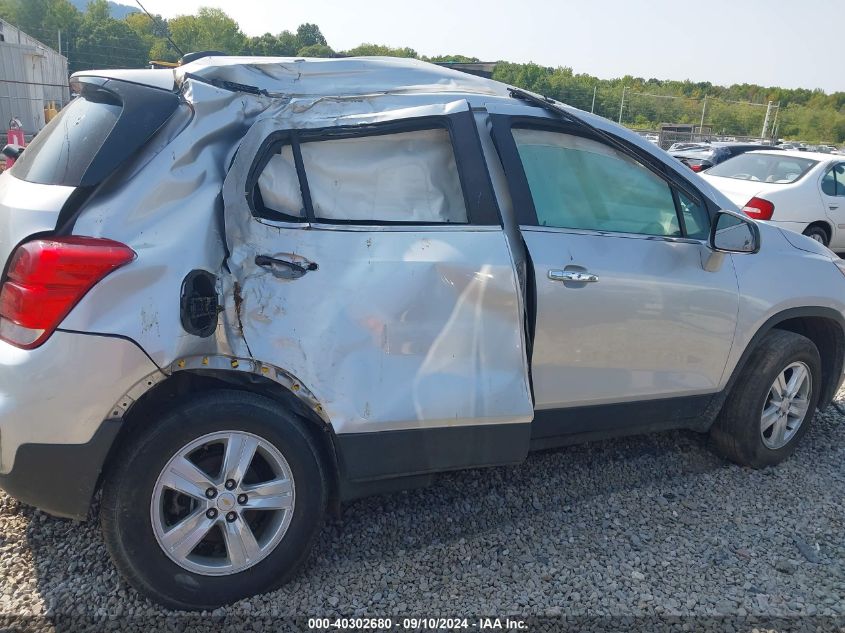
32,77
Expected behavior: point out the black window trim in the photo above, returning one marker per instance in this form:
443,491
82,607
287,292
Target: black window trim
476,185
525,211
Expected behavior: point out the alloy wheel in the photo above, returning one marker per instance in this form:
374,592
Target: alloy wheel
786,406
222,503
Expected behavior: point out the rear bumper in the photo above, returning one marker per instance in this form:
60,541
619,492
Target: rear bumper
53,404
60,478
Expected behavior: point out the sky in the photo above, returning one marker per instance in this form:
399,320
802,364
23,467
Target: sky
767,42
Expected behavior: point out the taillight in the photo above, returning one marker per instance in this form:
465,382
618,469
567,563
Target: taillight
759,209
697,168
47,278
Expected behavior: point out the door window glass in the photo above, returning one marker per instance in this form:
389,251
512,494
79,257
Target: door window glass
580,183
400,177
839,172
696,218
278,186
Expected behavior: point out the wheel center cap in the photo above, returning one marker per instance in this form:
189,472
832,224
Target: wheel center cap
784,406
225,501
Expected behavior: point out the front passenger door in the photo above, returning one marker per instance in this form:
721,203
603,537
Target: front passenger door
625,312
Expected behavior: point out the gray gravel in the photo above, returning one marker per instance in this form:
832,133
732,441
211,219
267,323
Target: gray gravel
647,525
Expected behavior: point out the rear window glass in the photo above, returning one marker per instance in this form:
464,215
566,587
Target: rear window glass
63,150
771,168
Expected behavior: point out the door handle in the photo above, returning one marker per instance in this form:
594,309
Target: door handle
572,275
273,263
833,207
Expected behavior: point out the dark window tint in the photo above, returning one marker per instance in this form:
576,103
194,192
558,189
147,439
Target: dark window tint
63,150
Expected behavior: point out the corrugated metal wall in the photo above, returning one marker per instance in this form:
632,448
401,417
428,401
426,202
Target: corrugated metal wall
31,76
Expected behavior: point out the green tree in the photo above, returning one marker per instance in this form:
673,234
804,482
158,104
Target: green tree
309,34
153,32
315,50
285,44
103,42
377,50
209,29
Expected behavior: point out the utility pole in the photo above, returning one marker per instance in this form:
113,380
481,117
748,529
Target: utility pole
622,104
60,41
593,107
766,120
775,123
703,110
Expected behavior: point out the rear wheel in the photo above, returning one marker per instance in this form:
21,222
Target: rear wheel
817,233
771,406
218,500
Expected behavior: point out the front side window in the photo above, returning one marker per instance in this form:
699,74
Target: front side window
579,183
696,218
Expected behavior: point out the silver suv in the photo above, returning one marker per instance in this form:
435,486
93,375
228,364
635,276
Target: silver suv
240,293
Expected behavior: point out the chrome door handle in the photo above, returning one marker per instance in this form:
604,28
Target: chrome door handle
572,275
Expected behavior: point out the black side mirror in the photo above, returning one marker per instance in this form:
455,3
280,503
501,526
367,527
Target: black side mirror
734,233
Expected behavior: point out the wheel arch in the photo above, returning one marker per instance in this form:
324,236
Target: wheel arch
825,225
208,373
822,325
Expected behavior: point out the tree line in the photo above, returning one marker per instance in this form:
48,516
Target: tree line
93,39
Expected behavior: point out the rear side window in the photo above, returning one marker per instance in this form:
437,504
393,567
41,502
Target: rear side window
833,183
580,183
397,177
278,187
770,168
61,153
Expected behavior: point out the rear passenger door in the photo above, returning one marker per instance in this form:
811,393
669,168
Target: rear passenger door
631,330
369,263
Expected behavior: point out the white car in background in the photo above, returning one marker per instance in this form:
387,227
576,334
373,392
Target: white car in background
800,191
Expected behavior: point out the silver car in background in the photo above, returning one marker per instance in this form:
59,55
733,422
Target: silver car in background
240,293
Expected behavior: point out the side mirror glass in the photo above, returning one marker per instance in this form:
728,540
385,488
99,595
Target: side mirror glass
734,233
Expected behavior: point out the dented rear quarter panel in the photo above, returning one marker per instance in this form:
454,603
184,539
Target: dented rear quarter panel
397,329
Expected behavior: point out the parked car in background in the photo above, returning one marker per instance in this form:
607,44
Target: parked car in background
232,312
797,190
700,158
677,147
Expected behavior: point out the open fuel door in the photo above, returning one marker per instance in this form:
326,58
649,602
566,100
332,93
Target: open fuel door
368,261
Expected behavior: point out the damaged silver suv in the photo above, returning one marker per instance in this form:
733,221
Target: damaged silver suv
240,293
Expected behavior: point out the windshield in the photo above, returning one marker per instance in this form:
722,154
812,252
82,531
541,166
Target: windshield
61,153
771,168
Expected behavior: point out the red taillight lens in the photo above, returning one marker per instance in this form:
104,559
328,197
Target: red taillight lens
47,278
759,209
697,168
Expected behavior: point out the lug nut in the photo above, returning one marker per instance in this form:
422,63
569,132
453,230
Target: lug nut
231,516
230,483
211,513
211,493
242,499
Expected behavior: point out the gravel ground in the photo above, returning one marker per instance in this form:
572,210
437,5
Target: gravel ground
651,525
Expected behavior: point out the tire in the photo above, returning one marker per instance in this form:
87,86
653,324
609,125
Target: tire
817,233
738,432
136,496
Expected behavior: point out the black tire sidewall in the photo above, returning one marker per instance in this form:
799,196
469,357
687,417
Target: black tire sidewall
128,491
748,407
819,231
